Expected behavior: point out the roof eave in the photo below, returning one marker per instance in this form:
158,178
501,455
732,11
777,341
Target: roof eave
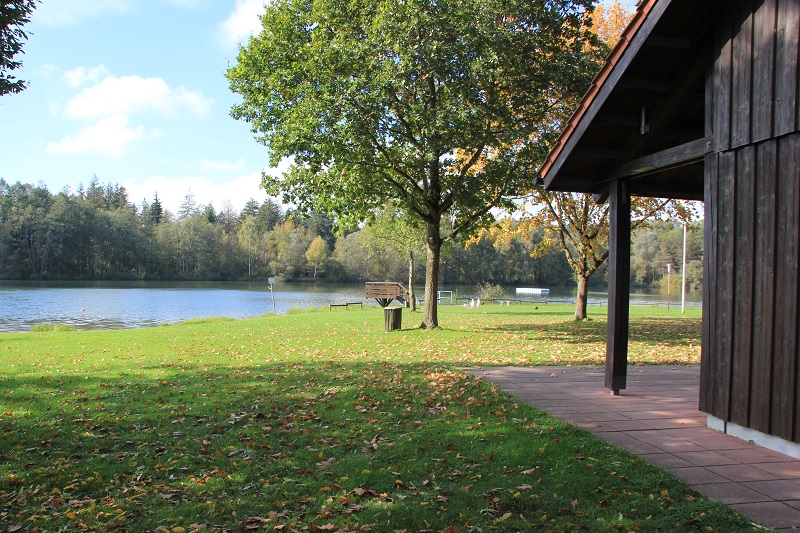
576,125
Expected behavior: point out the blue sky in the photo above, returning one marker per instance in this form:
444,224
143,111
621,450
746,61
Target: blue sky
134,92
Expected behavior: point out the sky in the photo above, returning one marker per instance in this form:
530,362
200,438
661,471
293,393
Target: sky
134,93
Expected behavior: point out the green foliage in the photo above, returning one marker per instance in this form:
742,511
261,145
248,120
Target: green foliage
321,421
207,320
659,243
96,234
39,328
365,127
488,292
440,109
13,15
579,226
250,209
317,253
521,257
156,210
188,206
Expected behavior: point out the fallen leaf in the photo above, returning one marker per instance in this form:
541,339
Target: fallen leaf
503,518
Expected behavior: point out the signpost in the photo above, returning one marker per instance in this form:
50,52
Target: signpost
271,282
669,271
683,273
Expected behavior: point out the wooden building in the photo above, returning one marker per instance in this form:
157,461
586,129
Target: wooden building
701,100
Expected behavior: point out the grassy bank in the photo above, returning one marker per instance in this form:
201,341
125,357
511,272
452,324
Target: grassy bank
321,421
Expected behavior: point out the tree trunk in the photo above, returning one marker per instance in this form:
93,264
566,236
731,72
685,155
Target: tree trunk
581,299
430,315
412,298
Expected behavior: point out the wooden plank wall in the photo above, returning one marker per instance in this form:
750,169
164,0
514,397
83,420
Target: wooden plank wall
751,341
751,318
755,73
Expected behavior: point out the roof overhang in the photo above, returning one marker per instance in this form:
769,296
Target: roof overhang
643,117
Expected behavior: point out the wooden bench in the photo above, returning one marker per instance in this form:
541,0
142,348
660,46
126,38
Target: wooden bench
346,305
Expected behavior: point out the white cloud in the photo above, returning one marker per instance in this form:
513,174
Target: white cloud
111,101
82,75
109,136
130,94
242,23
227,166
172,191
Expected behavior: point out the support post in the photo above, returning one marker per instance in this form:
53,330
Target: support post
619,277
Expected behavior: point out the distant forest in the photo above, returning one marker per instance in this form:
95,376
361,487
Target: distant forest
97,233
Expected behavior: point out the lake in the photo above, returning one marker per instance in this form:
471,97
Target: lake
113,305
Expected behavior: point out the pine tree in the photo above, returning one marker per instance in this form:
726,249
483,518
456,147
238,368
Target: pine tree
269,215
188,206
250,209
210,214
156,210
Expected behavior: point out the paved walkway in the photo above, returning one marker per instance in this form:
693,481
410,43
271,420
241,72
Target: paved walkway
657,418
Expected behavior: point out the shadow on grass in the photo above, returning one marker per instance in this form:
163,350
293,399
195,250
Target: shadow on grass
655,331
307,445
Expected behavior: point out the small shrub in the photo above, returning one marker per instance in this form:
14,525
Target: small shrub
489,292
304,310
208,320
39,328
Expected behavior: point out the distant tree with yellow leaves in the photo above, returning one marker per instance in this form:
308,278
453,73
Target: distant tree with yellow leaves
610,20
575,221
317,253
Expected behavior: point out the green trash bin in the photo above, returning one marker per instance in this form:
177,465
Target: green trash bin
393,318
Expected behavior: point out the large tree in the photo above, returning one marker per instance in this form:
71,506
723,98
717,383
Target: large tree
574,221
439,107
579,226
13,15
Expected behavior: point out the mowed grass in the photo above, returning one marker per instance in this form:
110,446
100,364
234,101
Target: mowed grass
321,421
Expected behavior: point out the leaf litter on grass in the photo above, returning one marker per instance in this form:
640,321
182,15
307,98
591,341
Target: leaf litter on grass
249,426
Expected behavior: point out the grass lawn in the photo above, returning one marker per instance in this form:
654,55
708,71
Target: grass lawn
321,421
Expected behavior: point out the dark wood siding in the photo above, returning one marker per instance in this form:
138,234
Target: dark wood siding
786,79
723,327
743,283
721,98
784,377
751,347
764,289
742,76
755,74
709,347
764,70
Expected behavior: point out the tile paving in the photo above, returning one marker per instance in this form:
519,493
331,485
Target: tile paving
657,418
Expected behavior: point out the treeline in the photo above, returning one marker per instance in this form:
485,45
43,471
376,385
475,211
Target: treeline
96,232
660,243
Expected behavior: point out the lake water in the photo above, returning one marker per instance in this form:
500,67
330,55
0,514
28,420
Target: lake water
112,305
